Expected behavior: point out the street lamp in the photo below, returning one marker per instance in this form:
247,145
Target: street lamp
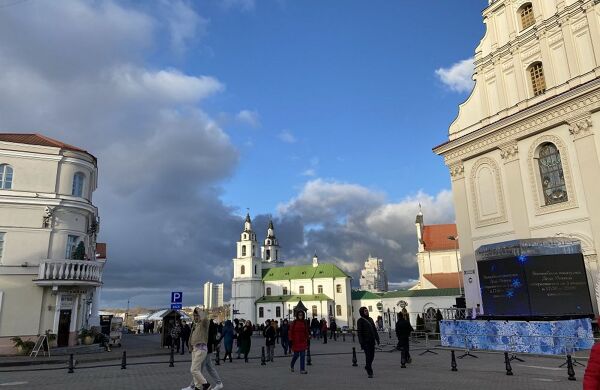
455,239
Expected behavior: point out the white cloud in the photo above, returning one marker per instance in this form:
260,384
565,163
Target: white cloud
248,117
310,172
287,137
244,5
458,77
184,24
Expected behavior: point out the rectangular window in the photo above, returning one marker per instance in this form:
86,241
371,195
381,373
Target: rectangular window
71,245
314,311
338,310
261,312
319,289
2,238
338,288
285,291
370,308
277,312
301,290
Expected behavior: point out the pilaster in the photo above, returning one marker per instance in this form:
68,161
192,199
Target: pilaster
519,218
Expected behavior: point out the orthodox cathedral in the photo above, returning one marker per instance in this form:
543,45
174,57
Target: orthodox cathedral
264,288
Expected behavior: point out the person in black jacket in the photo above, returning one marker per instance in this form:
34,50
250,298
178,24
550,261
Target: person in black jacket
214,339
403,331
367,337
186,331
270,334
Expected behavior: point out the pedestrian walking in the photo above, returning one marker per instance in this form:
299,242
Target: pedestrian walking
367,337
299,335
275,324
245,340
238,330
186,331
270,335
324,330
199,341
315,327
175,333
333,329
209,363
228,337
285,338
403,331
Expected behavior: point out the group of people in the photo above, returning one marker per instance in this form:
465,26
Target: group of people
179,336
204,338
319,329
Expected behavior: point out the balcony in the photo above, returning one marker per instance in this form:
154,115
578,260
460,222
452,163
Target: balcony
69,273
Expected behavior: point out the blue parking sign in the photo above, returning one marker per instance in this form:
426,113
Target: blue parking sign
177,297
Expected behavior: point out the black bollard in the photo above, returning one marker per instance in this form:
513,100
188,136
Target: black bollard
71,364
172,358
570,369
263,361
354,360
308,358
402,358
124,361
453,362
507,363
217,358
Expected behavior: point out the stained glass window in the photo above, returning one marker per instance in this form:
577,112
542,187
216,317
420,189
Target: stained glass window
552,175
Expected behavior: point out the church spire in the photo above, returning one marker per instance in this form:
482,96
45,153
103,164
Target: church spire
248,223
315,262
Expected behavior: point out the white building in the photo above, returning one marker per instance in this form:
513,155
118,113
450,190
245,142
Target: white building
523,153
46,212
262,288
213,295
438,255
373,277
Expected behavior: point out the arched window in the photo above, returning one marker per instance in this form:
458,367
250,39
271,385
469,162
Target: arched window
538,81
255,270
552,175
268,254
301,289
243,270
319,289
285,291
526,14
314,311
268,291
338,288
6,176
78,180
243,250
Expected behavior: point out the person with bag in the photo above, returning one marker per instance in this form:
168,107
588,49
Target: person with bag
403,331
367,337
299,335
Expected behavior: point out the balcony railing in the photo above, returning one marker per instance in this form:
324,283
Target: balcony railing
69,272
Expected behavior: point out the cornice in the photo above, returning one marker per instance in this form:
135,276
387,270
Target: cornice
581,127
560,109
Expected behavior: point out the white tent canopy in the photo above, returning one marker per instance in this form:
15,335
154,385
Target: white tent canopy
159,315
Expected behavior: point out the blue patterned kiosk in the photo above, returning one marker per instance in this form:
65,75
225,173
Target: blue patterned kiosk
535,296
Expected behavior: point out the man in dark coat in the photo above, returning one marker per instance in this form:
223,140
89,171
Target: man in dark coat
186,331
367,337
403,331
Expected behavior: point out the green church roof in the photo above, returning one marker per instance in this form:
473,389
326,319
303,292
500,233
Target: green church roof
357,294
292,298
304,272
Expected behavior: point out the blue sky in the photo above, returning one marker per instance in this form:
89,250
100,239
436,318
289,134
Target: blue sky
353,82
320,113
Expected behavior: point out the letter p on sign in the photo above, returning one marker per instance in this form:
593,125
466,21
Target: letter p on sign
176,297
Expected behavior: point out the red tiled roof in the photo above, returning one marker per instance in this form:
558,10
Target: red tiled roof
101,250
445,280
435,237
37,139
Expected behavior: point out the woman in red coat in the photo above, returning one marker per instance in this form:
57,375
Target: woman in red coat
591,378
298,335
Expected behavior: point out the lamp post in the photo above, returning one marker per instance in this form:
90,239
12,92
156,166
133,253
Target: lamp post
455,239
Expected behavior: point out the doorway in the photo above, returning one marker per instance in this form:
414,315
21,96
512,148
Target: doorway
64,325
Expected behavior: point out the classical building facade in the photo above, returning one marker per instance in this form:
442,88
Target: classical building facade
373,277
263,288
523,152
213,295
438,256
50,264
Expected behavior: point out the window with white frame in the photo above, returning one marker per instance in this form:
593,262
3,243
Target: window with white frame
71,246
301,289
338,310
285,291
6,177
2,241
319,289
338,288
261,312
78,181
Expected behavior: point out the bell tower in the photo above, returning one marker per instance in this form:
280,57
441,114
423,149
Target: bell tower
270,249
246,286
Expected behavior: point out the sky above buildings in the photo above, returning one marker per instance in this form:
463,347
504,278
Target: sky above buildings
320,114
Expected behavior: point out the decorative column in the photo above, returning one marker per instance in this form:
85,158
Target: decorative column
587,156
514,181
463,224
